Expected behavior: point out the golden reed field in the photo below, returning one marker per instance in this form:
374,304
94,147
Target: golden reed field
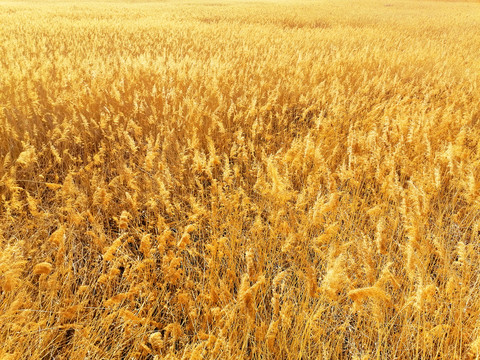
240,180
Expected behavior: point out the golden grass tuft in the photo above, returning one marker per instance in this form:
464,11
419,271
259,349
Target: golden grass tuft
42,268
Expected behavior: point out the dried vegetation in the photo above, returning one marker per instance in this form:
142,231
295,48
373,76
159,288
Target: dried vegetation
235,180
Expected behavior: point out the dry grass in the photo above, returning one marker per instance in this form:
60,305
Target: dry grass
233,180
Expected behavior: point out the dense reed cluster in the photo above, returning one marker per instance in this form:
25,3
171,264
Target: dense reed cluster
226,180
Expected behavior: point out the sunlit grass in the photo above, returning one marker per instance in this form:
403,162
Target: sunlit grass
239,179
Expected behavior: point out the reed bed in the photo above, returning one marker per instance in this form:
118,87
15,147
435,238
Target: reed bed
240,180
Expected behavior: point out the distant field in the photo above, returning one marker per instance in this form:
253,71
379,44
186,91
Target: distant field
240,180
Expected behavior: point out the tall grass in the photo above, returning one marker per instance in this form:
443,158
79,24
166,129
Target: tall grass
232,180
